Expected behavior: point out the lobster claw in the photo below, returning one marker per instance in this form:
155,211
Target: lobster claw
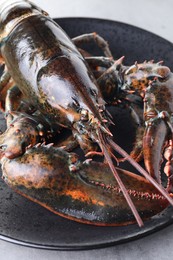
86,193
154,141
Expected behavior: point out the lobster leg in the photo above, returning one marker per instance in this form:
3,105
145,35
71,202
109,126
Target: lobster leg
5,77
89,194
5,83
13,94
101,61
85,38
85,143
99,65
110,81
15,101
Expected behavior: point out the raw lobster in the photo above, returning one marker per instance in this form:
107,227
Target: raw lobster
54,78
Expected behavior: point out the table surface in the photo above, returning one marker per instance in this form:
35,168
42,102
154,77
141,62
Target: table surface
152,15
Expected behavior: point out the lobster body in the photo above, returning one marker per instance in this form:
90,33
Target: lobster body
46,65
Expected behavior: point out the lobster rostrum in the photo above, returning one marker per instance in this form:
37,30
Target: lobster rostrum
52,75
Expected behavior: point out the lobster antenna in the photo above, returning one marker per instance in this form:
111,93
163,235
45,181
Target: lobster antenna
118,179
117,148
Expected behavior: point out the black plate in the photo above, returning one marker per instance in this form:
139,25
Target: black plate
26,223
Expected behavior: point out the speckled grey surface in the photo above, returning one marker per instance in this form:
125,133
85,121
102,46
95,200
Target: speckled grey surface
152,15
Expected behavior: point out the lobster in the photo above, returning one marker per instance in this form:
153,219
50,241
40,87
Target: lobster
53,77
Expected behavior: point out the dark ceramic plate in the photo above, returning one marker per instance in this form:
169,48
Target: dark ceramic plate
26,223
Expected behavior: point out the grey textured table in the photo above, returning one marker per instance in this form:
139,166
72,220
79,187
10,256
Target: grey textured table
155,16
